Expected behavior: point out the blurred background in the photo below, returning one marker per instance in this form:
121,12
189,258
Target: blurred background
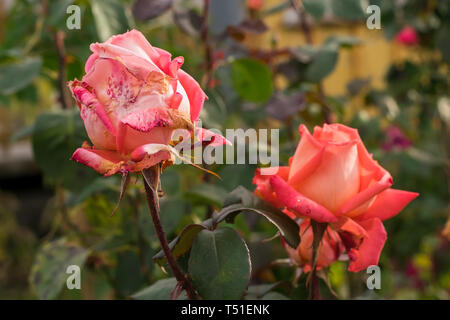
263,64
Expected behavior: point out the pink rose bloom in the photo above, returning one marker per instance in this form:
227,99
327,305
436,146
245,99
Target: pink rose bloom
333,179
407,36
131,100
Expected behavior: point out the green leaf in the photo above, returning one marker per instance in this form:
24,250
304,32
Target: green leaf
99,185
256,292
351,10
58,11
56,136
170,182
274,296
316,8
128,273
219,264
145,225
242,200
172,210
160,290
207,193
17,75
322,64
181,244
343,41
109,17
252,80
48,274
25,132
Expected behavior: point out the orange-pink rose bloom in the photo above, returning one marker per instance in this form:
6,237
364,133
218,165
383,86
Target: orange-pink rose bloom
332,178
131,100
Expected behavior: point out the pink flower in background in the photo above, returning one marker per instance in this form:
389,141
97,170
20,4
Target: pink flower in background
131,100
333,179
255,4
407,36
395,138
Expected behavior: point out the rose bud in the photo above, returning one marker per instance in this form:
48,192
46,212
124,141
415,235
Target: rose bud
330,248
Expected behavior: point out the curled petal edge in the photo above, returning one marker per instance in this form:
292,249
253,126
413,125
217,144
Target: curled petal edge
298,203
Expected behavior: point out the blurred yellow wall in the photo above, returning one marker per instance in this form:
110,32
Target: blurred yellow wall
370,59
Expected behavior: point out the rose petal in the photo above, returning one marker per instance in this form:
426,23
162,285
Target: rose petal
102,161
195,94
263,186
123,93
138,66
370,249
388,203
336,179
306,159
148,149
96,121
298,203
213,138
366,194
90,62
152,125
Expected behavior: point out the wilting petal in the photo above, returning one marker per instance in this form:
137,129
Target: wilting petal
369,250
148,155
136,65
148,149
102,161
195,94
135,42
298,203
152,125
97,123
388,203
90,62
213,139
123,93
183,104
149,161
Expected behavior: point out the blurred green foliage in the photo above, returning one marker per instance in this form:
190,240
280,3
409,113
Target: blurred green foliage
115,252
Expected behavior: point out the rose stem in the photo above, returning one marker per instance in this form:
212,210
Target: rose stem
314,284
63,91
151,181
208,46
